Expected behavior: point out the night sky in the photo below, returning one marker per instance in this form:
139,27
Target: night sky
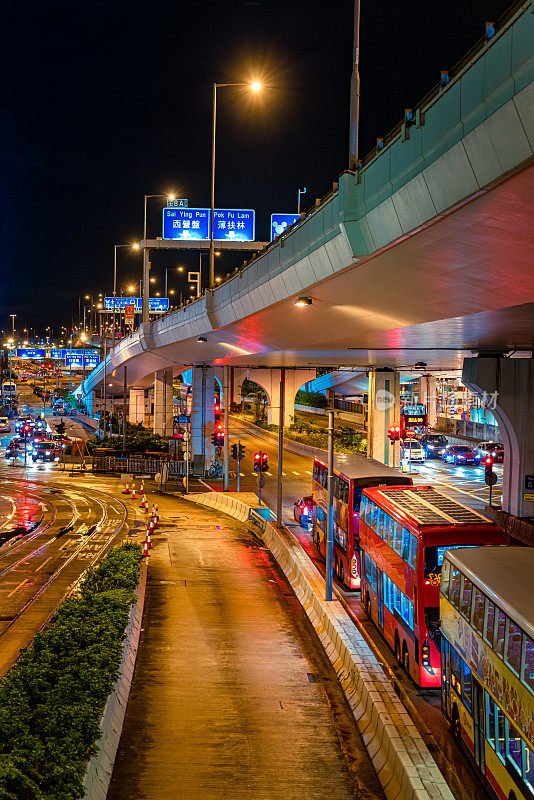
103,102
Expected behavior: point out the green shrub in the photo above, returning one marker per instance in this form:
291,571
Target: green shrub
52,699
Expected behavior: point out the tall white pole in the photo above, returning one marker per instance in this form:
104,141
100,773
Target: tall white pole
355,92
330,529
212,215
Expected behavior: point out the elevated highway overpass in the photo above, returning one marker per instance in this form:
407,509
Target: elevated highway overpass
423,255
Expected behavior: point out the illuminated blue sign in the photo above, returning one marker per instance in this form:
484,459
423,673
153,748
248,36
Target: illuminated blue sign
234,224
281,222
186,223
64,352
58,353
30,352
229,224
156,304
91,360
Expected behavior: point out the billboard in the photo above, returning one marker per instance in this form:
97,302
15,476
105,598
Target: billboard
281,222
30,352
156,304
229,224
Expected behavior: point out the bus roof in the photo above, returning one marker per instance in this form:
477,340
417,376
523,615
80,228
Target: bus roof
358,467
505,575
424,505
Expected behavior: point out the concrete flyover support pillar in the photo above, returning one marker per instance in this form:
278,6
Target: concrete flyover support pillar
163,410
136,406
202,414
384,411
506,387
428,397
269,380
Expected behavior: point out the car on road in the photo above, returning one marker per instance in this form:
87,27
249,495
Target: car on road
412,451
303,510
59,438
23,411
46,451
461,454
5,426
433,444
493,449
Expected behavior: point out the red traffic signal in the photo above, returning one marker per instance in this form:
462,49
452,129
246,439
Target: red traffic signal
394,433
257,462
488,461
264,462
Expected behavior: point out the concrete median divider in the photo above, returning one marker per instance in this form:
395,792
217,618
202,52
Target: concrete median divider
405,766
100,767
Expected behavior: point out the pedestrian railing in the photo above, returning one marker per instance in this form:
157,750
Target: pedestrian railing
137,465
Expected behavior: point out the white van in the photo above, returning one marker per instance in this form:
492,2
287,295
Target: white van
9,390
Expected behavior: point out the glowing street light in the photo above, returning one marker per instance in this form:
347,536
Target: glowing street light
255,87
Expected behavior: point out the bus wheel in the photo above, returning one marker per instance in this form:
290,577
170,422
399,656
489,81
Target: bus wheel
455,724
397,648
405,659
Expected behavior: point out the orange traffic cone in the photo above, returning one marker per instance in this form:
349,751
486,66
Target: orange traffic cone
145,504
127,489
145,550
149,541
153,510
151,525
142,503
156,518
133,491
142,487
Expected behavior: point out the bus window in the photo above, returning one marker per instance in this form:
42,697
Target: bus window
357,501
445,573
513,745
479,602
528,663
466,685
374,516
490,622
389,533
513,646
454,591
500,630
380,522
465,601
490,719
397,598
397,538
405,552
499,730
413,551
528,767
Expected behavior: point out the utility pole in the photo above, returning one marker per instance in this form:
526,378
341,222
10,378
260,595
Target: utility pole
355,92
280,450
330,518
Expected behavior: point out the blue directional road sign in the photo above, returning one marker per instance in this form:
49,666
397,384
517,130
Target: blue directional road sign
233,224
91,360
186,223
229,224
30,352
156,304
75,353
58,353
281,222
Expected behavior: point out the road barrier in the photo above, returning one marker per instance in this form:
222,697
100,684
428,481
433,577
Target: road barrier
404,765
100,767
137,465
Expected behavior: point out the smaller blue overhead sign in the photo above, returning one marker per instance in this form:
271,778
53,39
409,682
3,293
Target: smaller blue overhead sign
233,224
155,303
30,352
77,361
75,353
281,222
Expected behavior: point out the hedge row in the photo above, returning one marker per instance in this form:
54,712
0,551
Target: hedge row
52,699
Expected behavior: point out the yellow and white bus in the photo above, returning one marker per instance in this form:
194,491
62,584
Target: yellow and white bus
487,662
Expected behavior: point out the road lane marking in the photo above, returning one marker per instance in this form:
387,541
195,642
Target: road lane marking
241,474
44,562
307,471
284,473
269,473
17,588
295,473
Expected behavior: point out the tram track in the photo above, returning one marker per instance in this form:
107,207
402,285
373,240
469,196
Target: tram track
36,574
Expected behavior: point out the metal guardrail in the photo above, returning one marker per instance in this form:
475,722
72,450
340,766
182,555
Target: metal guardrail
136,465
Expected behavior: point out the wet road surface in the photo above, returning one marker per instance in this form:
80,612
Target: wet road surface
232,694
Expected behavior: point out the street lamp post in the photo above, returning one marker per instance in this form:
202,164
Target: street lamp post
135,247
355,92
146,262
255,86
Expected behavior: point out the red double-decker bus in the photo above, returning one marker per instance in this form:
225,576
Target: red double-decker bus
404,533
352,475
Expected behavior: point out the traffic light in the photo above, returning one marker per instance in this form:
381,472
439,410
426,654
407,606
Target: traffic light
234,451
241,451
264,462
490,478
217,437
257,462
394,433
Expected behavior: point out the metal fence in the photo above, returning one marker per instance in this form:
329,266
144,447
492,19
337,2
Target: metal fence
137,465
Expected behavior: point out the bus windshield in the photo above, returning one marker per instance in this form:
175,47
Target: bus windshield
434,559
